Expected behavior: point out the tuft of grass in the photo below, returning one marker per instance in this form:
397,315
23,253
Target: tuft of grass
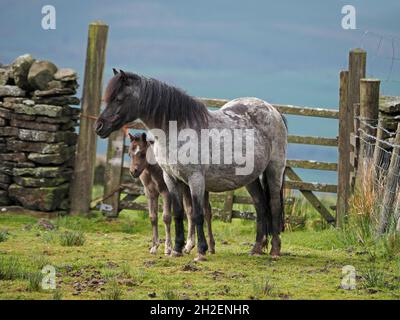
10,268
373,278
113,291
49,236
110,274
3,235
57,294
263,289
72,238
126,271
40,261
34,281
169,294
391,243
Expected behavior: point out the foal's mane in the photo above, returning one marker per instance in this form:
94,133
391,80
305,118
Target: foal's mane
160,102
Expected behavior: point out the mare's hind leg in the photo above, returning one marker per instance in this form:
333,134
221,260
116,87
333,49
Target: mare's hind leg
197,189
167,221
153,212
260,202
187,205
275,173
208,217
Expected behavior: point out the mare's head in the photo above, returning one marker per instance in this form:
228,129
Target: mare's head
122,98
137,152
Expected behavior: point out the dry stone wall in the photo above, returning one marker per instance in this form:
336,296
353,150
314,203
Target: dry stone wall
37,133
389,115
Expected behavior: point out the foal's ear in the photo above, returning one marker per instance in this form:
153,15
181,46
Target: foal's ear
123,74
144,136
131,136
115,71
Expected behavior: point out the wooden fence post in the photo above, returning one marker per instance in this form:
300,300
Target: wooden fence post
378,151
369,111
82,182
228,206
345,117
113,172
392,181
357,71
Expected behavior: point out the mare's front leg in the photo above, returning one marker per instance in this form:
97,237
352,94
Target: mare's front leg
187,205
208,216
175,190
153,213
197,188
167,221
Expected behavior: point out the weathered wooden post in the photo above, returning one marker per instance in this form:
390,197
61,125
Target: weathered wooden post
378,151
228,206
369,111
392,180
345,118
397,214
113,173
357,71
82,182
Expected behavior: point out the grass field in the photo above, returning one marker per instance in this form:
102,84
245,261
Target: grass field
99,259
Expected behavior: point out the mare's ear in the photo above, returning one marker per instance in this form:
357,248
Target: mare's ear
123,74
115,71
131,137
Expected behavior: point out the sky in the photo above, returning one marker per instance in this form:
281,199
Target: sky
285,51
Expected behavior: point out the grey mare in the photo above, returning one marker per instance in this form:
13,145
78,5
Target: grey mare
129,97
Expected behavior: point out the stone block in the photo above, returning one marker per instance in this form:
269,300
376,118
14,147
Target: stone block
43,198
11,91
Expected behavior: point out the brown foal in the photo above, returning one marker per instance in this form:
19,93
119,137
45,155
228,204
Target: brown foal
151,176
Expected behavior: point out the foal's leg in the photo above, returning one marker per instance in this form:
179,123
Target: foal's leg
153,212
275,172
208,216
260,202
187,205
174,188
197,189
167,221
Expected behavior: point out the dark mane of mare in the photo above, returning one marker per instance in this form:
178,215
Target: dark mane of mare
160,102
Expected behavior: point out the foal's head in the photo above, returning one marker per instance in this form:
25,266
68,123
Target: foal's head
137,151
122,98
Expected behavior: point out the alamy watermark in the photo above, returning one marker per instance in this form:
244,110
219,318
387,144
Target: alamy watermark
49,277
213,146
49,17
349,18
349,278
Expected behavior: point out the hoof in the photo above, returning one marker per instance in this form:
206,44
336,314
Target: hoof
153,250
257,250
176,254
188,248
276,247
275,256
212,251
167,251
200,257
